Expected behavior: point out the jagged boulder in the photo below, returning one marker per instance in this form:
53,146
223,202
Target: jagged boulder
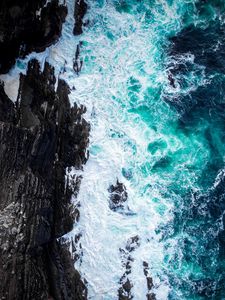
118,196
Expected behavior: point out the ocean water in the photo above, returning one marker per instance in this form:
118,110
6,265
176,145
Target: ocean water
153,82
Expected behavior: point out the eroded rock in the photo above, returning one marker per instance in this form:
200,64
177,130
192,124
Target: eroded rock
125,289
27,26
80,10
150,295
41,137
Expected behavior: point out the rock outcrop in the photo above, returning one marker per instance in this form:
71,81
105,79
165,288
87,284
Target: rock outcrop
80,10
77,61
27,26
150,295
125,289
42,137
126,284
118,196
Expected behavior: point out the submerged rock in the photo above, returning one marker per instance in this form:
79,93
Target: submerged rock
41,136
27,26
171,80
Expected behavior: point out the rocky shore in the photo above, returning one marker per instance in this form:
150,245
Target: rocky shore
42,138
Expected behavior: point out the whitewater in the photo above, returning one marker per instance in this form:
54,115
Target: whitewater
135,138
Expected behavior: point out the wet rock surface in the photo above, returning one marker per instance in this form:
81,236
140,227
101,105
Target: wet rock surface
126,285
118,196
77,61
80,10
77,250
125,289
150,295
42,136
27,26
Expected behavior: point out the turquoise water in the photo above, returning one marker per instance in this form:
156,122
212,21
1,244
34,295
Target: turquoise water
176,151
166,143
165,140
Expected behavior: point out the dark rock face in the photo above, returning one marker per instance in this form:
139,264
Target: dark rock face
80,10
6,106
41,137
27,26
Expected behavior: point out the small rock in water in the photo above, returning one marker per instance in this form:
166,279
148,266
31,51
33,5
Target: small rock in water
124,291
77,62
171,80
150,295
133,243
118,196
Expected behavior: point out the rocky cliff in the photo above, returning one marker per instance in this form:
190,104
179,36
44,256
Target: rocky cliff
41,137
